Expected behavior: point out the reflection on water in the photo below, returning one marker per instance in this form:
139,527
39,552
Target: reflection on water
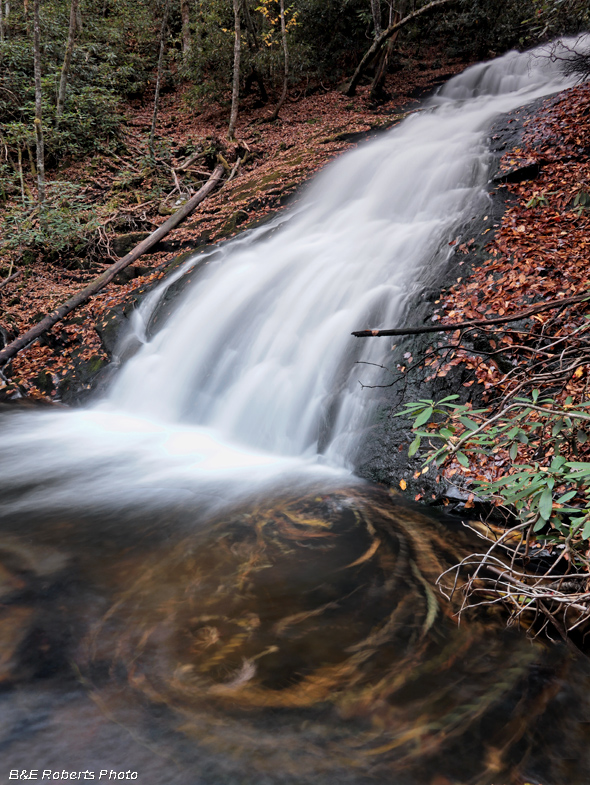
295,640
165,610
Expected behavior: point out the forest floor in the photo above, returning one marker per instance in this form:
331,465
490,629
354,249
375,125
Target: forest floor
128,195
538,253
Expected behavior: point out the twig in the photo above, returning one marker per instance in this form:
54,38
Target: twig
234,170
10,278
472,322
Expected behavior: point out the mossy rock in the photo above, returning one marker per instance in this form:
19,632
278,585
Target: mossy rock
123,243
239,217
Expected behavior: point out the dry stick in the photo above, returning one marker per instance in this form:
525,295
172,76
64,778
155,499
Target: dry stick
234,171
381,39
473,322
107,276
10,278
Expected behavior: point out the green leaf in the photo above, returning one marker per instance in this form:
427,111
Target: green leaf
470,424
514,451
557,463
546,504
423,417
414,446
463,459
566,497
539,525
557,427
586,530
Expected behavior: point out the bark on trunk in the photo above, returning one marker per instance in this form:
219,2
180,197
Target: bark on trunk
1,23
376,11
377,90
38,106
283,97
159,76
235,93
186,29
107,276
65,69
385,35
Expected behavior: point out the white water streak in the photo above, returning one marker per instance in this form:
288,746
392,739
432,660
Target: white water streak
254,372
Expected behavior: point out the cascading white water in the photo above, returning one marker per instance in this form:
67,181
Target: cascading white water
254,375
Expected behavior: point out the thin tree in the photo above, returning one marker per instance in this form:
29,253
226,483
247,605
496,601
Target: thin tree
1,23
38,105
283,97
382,39
65,69
159,76
377,90
186,29
376,11
235,93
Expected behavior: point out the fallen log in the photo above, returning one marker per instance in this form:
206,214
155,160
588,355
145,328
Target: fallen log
10,278
472,322
107,276
385,35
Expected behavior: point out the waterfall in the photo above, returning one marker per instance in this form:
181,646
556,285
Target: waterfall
253,379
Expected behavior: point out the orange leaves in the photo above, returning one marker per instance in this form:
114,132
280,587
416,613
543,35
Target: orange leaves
539,252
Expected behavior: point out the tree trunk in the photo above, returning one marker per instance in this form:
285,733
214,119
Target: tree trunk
186,29
38,106
283,97
235,93
254,46
376,11
385,35
107,276
1,23
159,76
65,69
377,90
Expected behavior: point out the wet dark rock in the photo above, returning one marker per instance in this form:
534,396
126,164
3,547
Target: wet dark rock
235,220
383,454
79,385
519,174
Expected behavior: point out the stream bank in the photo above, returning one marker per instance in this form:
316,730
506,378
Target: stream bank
383,456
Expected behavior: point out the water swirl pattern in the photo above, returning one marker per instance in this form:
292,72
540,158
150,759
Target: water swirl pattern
194,583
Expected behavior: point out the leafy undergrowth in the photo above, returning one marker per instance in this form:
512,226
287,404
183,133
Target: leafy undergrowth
122,191
526,449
